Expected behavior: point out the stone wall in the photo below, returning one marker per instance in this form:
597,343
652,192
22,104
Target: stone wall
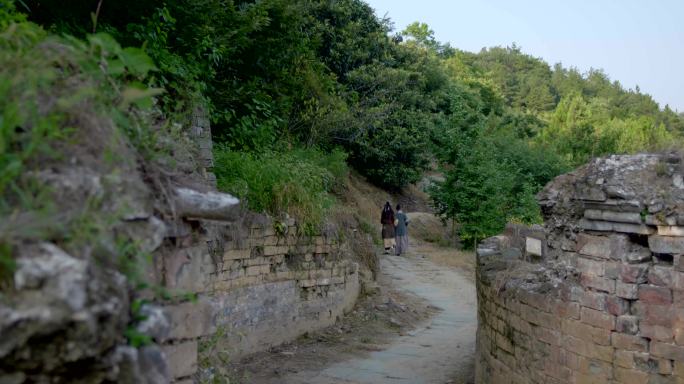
258,282
259,285
79,302
597,296
200,132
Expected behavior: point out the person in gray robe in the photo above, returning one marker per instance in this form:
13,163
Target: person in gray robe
401,222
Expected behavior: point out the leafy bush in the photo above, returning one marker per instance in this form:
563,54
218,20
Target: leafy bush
494,182
9,14
66,103
296,182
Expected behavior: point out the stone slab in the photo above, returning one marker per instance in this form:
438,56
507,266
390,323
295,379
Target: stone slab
611,226
622,217
182,358
533,246
190,320
666,244
670,230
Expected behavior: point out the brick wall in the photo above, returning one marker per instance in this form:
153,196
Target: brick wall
256,288
603,302
258,282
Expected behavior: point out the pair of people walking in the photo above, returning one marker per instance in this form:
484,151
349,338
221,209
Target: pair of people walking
394,229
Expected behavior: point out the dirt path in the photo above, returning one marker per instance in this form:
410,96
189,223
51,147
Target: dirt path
439,349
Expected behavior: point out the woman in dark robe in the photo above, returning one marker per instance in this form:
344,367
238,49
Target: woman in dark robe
387,221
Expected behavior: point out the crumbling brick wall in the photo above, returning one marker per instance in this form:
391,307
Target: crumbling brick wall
258,281
598,294
257,288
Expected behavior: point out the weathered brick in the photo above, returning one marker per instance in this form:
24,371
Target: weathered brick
585,378
660,275
556,371
678,298
666,244
627,324
535,300
594,300
595,246
537,317
588,349
182,358
630,376
253,270
257,261
586,332
670,230
590,266
569,359
678,262
624,359
664,367
570,291
626,291
271,250
611,269
617,306
190,320
597,318
653,314
656,332
634,273
548,336
629,342
667,351
598,283
565,309
596,368
235,254
651,294
679,336
678,369
504,343
678,280
621,217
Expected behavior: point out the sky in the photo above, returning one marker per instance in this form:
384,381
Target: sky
637,42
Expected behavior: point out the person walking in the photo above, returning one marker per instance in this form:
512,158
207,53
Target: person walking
387,221
401,231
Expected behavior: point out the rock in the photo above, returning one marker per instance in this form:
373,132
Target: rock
622,217
155,322
609,226
205,205
619,191
666,244
54,271
153,365
148,234
63,311
670,230
678,181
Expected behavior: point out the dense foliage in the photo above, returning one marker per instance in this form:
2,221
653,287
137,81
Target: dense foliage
290,77
296,182
70,103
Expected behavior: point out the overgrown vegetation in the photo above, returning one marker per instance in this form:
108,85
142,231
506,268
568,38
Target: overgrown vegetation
297,182
331,77
60,95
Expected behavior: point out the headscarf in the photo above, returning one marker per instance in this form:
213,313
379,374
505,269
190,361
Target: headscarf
387,216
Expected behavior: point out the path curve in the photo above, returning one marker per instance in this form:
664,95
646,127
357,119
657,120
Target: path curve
441,351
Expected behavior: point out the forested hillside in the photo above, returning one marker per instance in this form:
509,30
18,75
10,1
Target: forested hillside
300,90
